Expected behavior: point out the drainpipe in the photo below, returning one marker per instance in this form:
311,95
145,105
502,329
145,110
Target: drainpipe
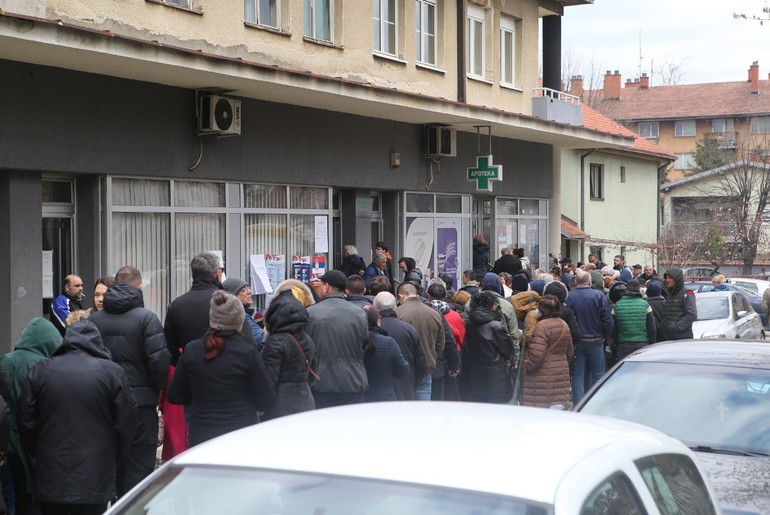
583,199
661,168
462,96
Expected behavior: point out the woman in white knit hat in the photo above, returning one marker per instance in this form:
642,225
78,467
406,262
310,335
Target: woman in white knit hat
221,376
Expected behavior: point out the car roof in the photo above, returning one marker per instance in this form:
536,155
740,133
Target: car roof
447,444
744,353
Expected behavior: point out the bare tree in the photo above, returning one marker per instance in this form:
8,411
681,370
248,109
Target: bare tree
670,73
761,18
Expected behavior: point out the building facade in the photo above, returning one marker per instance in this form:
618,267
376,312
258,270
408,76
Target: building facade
343,123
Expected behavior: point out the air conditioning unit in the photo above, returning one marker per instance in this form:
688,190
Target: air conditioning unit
440,141
219,115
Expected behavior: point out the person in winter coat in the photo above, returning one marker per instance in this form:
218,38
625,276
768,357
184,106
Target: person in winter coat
134,337
487,353
221,376
352,263
657,302
634,321
38,341
412,274
681,310
491,283
288,355
480,256
524,306
7,500
242,290
408,340
383,360
354,291
77,417
507,262
545,378
558,290
378,268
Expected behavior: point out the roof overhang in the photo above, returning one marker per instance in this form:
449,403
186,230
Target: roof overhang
63,45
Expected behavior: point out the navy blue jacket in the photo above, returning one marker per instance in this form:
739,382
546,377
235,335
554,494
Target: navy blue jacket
592,312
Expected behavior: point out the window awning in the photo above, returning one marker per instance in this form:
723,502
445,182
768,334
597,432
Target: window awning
571,231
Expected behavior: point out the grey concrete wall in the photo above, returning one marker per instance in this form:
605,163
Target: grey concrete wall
21,243
62,121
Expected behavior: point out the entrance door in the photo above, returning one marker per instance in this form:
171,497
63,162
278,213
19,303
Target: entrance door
58,237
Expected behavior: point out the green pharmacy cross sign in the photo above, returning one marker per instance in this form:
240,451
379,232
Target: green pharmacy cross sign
484,172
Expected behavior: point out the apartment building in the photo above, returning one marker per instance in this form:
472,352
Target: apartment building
273,132
735,116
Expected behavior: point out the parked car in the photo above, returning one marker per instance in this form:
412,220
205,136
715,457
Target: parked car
757,286
695,273
726,314
712,395
430,458
754,299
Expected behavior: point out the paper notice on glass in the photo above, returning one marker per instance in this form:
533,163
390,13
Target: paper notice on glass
321,234
48,274
260,282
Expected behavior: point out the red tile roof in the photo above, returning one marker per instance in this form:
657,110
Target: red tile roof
571,231
710,100
593,119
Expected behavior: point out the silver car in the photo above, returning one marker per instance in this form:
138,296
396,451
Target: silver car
712,395
726,314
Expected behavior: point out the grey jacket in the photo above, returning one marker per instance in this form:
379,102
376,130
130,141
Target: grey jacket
340,332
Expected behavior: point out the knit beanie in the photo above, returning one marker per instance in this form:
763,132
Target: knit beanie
653,289
233,285
537,285
226,312
519,283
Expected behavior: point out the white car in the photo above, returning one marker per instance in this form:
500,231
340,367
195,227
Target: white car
430,458
726,314
757,286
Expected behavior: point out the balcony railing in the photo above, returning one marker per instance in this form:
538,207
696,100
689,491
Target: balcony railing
726,139
560,95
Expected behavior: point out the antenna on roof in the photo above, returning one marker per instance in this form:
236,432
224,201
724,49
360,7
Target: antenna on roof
640,53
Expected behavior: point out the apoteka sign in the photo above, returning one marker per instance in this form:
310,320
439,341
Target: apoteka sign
484,172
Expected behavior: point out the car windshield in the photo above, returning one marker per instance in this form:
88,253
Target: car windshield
713,308
239,491
705,406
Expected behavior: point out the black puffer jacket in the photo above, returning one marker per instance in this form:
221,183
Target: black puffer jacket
77,417
134,337
487,351
225,392
285,363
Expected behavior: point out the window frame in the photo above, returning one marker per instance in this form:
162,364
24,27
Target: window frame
309,25
476,15
649,130
684,159
257,9
508,58
381,9
684,128
759,125
421,32
728,125
596,181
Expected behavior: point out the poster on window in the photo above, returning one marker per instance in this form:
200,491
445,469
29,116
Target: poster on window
260,281
318,267
275,264
447,241
300,268
418,243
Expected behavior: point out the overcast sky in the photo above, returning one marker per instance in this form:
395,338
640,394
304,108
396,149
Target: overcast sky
700,36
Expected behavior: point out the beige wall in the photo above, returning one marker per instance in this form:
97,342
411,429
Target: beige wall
217,26
628,212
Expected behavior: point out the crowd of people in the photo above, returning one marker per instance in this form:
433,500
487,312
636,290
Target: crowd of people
85,390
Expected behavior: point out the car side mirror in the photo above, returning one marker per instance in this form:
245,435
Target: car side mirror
742,314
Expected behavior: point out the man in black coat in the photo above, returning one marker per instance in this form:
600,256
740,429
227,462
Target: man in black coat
134,337
507,262
187,318
408,340
77,418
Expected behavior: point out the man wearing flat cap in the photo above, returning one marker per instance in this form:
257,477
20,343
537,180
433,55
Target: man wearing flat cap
340,332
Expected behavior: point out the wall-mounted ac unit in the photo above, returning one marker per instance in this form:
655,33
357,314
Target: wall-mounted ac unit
219,115
440,141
